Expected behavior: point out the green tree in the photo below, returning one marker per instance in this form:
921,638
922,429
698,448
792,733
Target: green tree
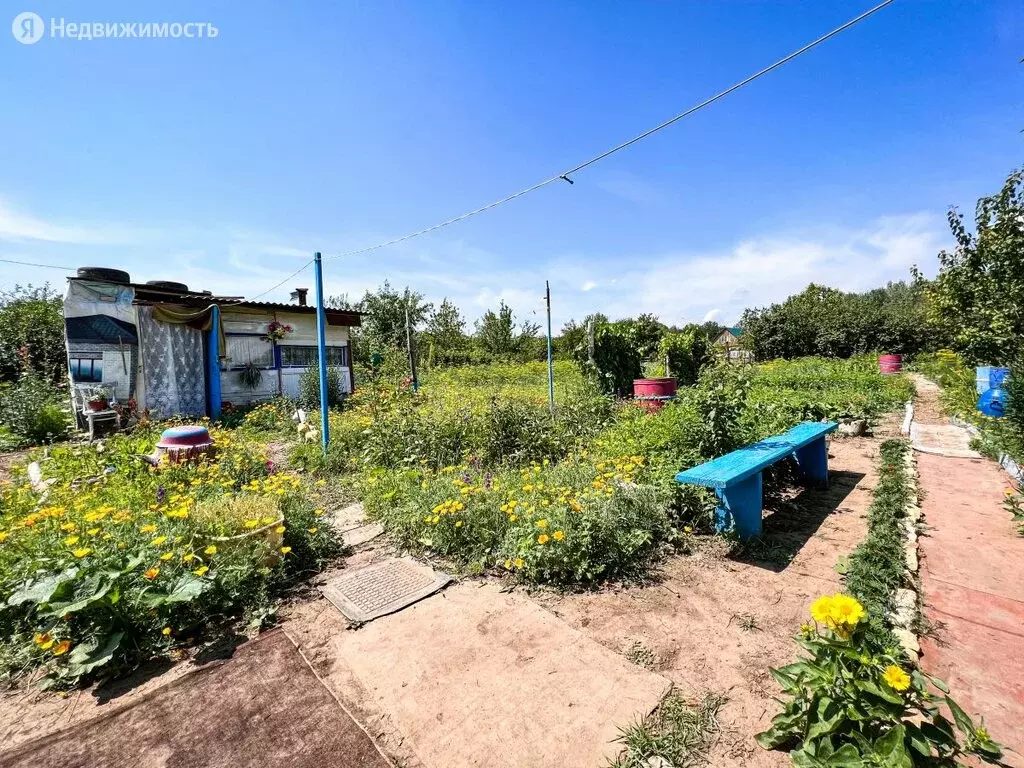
688,351
977,299
445,336
32,333
383,327
498,338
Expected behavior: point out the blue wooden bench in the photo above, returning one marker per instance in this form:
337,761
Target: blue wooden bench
736,477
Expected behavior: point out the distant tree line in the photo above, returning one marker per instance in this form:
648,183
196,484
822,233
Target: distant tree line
974,306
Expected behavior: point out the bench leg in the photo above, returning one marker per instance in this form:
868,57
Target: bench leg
813,462
740,506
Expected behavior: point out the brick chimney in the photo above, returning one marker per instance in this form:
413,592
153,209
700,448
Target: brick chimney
299,294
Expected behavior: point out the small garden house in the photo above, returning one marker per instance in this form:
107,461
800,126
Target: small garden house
176,351
728,341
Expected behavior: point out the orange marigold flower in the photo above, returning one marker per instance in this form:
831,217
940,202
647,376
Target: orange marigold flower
151,573
62,647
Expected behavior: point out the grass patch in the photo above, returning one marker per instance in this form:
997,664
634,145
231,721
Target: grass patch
678,732
877,568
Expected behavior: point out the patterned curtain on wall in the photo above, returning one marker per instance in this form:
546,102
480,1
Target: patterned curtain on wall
173,367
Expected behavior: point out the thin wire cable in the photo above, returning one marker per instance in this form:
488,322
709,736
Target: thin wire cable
298,271
564,176
33,264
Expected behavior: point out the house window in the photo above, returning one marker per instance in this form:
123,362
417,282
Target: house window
244,349
86,368
303,356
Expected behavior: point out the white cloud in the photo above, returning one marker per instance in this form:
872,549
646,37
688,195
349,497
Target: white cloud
20,227
711,315
589,285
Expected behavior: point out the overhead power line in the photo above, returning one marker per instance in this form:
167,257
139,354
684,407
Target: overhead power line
33,264
565,175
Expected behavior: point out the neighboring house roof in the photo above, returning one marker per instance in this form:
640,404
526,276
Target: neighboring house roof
735,331
100,329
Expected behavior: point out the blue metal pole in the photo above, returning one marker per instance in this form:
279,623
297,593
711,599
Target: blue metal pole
321,345
213,363
551,367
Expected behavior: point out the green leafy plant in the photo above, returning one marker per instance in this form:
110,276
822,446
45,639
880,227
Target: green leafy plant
876,569
852,703
250,375
614,361
34,411
309,388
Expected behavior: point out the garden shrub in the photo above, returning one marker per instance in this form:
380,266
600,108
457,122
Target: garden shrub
116,566
614,362
309,388
34,411
572,523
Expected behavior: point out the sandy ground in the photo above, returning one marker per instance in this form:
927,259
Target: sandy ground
693,621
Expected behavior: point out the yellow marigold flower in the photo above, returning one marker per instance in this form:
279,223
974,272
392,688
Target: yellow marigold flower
71,540
508,564
543,539
251,523
558,535
897,679
148,528
165,631
512,518
93,531
44,640
280,529
267,520
210,550
518,562
158,541
151,573
314,529
62,647
3,535
188,557
318,512
68,527
81,552
542,523
687,529
458,523
166,556
200,570
285,550
846,610
821,609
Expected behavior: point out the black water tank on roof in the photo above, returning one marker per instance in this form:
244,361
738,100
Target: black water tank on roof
105,274
168,285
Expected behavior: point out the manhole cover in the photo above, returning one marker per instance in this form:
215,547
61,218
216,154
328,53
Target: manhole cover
376,590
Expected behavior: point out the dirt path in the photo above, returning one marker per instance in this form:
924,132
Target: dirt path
717,623
972,580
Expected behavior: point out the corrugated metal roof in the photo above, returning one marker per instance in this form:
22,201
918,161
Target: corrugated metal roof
153,294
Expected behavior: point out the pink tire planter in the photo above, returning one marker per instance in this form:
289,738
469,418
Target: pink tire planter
652,394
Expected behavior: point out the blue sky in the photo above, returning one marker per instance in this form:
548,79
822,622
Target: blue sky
331,126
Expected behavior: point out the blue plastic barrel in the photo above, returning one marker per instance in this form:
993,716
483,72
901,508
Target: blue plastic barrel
993,402
981,377
997,377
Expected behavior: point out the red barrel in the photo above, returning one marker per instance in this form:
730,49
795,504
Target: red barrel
890,364
653,393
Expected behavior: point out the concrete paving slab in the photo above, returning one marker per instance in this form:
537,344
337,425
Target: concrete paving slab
364,534
347,518
478,677
942,440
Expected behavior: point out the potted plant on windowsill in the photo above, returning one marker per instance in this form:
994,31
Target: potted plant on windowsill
97,402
